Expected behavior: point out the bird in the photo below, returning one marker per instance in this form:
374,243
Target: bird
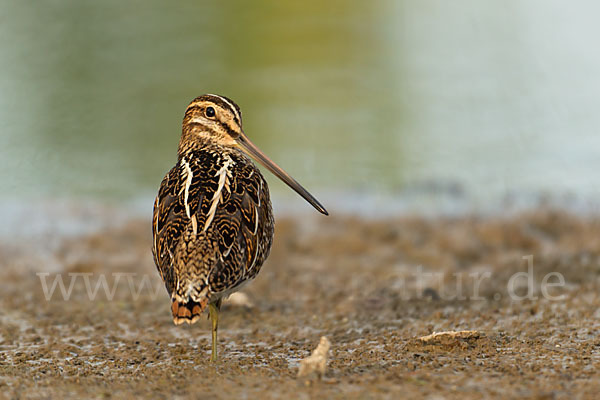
213,222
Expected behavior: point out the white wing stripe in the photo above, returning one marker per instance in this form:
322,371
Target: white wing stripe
223,175
188,181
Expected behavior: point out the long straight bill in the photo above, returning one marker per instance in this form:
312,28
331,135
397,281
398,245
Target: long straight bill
251,149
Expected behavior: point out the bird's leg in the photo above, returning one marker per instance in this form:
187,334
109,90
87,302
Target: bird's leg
213,310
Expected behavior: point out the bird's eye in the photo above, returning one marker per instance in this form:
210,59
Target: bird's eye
210,112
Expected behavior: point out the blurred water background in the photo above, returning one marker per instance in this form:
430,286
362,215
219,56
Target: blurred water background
367,103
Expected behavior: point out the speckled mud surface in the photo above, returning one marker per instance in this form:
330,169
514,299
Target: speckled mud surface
372,287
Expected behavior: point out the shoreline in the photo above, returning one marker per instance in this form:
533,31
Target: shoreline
373,287
69,217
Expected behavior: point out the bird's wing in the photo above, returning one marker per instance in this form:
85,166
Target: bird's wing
168,223
242,222
220,205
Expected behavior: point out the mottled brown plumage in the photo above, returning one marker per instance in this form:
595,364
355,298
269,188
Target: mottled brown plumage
203,255
213,222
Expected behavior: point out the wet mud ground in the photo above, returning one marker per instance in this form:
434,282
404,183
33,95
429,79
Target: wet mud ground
373,287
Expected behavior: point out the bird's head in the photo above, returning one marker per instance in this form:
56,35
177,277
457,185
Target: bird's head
212,118
218,120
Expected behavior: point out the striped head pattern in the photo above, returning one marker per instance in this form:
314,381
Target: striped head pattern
212,118
216,120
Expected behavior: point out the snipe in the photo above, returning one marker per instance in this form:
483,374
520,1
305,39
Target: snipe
213,223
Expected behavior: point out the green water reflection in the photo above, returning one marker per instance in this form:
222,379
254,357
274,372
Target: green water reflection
347,95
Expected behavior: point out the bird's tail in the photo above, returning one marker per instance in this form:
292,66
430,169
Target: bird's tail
188,310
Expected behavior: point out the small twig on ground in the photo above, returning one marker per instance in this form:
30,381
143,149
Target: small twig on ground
317,361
